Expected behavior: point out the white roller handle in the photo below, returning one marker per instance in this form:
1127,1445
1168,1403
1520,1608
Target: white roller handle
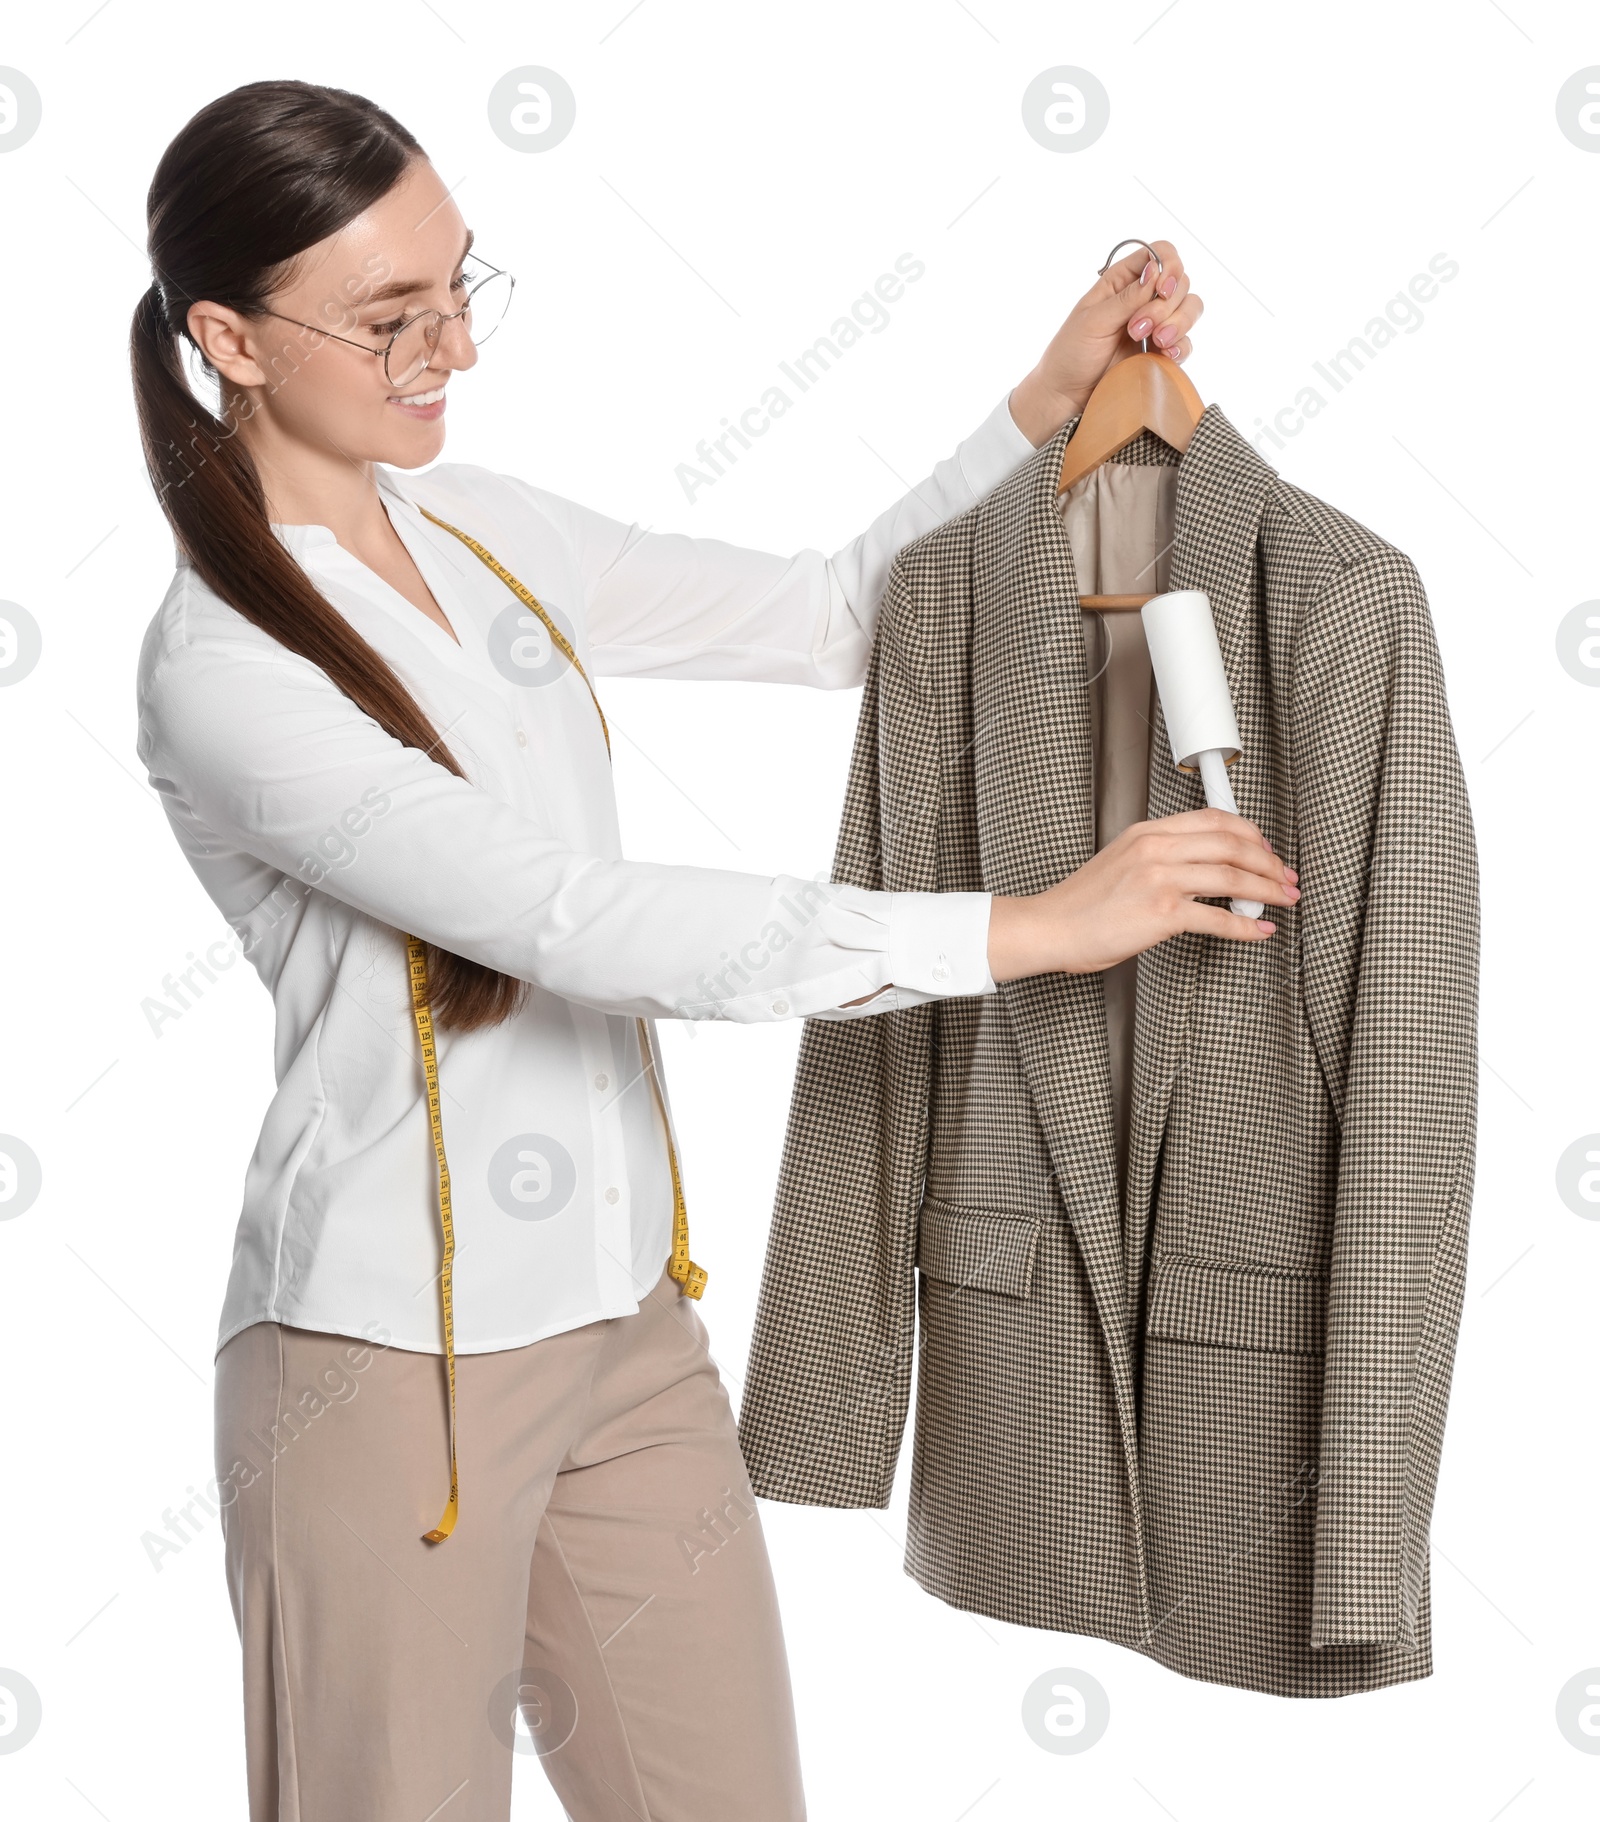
1193,686
1219,794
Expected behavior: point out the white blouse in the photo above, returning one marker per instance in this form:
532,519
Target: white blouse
321,838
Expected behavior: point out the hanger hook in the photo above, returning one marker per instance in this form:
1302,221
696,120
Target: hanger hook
1144,344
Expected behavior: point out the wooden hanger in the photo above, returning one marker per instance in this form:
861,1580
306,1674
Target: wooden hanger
1143,391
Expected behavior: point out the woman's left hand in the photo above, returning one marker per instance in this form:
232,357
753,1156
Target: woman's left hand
1106,325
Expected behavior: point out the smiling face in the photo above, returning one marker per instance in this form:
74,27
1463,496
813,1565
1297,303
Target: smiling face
306,390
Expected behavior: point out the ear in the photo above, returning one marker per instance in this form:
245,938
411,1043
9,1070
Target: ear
227,340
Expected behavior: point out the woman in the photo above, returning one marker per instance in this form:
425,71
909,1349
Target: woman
365,701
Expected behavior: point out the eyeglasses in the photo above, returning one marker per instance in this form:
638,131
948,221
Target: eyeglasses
411,345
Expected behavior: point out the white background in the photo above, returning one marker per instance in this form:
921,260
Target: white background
736,178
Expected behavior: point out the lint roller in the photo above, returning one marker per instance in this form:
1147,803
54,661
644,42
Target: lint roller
1193,687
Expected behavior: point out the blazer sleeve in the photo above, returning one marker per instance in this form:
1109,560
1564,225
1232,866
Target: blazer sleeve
828,1383
1389,932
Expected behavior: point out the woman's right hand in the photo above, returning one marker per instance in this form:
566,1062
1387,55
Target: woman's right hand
1138,891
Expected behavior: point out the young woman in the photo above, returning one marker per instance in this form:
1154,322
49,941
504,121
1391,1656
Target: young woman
366,702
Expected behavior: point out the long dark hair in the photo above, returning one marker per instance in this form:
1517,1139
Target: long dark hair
254,179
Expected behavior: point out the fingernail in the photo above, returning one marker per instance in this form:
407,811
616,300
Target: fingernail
1290,874
1264,927
1294,894
1141,328
1168,332
1169,284
1149,267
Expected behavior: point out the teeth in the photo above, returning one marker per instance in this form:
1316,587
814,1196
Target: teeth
423,398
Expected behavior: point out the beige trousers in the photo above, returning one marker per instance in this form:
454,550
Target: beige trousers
607,1578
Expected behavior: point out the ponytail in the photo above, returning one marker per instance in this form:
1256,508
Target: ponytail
252,180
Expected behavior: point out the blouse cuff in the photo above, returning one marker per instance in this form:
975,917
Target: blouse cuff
865,952
1010,440
939,942
938,948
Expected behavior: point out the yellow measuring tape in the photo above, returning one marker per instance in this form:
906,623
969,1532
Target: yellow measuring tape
420,1011
690,1278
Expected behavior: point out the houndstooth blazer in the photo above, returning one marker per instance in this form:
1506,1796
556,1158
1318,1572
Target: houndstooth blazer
1203,1420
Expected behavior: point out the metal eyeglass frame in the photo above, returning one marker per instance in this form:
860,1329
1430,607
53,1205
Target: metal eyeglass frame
443,316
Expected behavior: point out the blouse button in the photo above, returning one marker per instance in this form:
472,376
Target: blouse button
522,739
780,1007
602,1081
613,1194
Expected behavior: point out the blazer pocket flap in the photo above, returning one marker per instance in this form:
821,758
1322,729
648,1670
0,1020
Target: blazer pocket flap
1238,1306
986,1248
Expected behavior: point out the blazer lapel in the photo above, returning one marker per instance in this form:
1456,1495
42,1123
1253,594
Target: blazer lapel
1221,493
1032,769
1033,776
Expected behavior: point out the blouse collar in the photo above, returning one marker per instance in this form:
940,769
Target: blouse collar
301,539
